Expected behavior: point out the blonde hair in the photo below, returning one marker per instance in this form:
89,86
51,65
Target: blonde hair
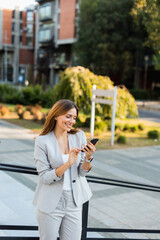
59,108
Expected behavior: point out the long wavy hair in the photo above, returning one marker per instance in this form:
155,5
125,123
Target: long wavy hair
61,107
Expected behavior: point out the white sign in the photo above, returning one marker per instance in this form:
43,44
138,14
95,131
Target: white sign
103,93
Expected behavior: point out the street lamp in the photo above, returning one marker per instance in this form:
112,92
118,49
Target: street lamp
146,59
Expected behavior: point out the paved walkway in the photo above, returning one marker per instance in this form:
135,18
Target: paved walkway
110,206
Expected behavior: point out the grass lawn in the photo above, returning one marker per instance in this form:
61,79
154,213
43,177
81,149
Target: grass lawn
137,139
134,139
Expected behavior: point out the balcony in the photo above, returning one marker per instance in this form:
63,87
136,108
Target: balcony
46,33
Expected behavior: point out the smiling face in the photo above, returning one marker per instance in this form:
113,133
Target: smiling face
66,121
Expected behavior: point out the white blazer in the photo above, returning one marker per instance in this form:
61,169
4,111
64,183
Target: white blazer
48,157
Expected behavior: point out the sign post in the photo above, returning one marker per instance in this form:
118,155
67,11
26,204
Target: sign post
103,93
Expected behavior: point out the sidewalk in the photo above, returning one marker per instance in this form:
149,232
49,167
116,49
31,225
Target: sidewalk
110,206
148,105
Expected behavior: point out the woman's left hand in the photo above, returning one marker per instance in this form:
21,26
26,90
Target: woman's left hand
89,150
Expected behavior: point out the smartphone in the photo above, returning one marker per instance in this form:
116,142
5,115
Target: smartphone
93,141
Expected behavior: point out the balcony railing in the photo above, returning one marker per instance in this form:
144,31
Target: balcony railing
85,229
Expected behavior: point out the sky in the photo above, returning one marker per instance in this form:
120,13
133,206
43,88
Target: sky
11,4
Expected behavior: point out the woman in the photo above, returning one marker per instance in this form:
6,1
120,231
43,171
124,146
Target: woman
62,167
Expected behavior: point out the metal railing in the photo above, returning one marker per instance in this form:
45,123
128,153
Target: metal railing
85,228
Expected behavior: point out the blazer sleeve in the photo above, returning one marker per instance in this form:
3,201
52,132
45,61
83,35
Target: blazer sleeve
46,173
81,171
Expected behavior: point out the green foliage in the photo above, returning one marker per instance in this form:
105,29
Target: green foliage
126,127
141,127
108,40
30,95
122,139
153,134
100,124
47,98
133,128
139,94
126,105
147,13
76,84
119,126
10,94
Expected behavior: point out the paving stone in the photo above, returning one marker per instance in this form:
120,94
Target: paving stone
111,206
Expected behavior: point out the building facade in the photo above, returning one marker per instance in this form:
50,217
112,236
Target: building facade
17,30
57,32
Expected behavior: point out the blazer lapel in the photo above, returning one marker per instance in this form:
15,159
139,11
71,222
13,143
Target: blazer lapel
72,144
58,154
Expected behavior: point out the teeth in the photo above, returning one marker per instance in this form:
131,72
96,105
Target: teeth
68,125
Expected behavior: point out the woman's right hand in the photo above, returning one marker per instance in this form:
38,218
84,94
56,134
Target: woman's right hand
73,155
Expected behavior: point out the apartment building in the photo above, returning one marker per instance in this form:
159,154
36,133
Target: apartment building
16,44
56,35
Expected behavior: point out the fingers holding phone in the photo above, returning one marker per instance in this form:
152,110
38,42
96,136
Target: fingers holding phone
89,148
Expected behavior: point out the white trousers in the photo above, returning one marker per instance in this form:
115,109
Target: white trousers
65,221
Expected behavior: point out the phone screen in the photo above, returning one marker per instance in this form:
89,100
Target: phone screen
93,141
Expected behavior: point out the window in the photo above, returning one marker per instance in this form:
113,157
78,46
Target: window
13,39
44,35
21,14
20,40
29,15
45,11
29,41
13,14
13,26
21,26
29,27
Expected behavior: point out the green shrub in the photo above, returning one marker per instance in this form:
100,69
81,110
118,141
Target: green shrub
87,122
47,98
119,126
122,139
76,84
153,134
133,128
10,94
101,125
125,106
6,89
126,127
32,95
109,124
79,123
141,127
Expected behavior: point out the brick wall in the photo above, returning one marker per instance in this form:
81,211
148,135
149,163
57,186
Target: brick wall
26,56
67,19
24,16
7,26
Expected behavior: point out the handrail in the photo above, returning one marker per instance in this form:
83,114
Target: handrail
106,181
126,182
85,229
17,166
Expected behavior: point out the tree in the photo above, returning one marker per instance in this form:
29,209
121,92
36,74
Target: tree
108,39
76,84
149,13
